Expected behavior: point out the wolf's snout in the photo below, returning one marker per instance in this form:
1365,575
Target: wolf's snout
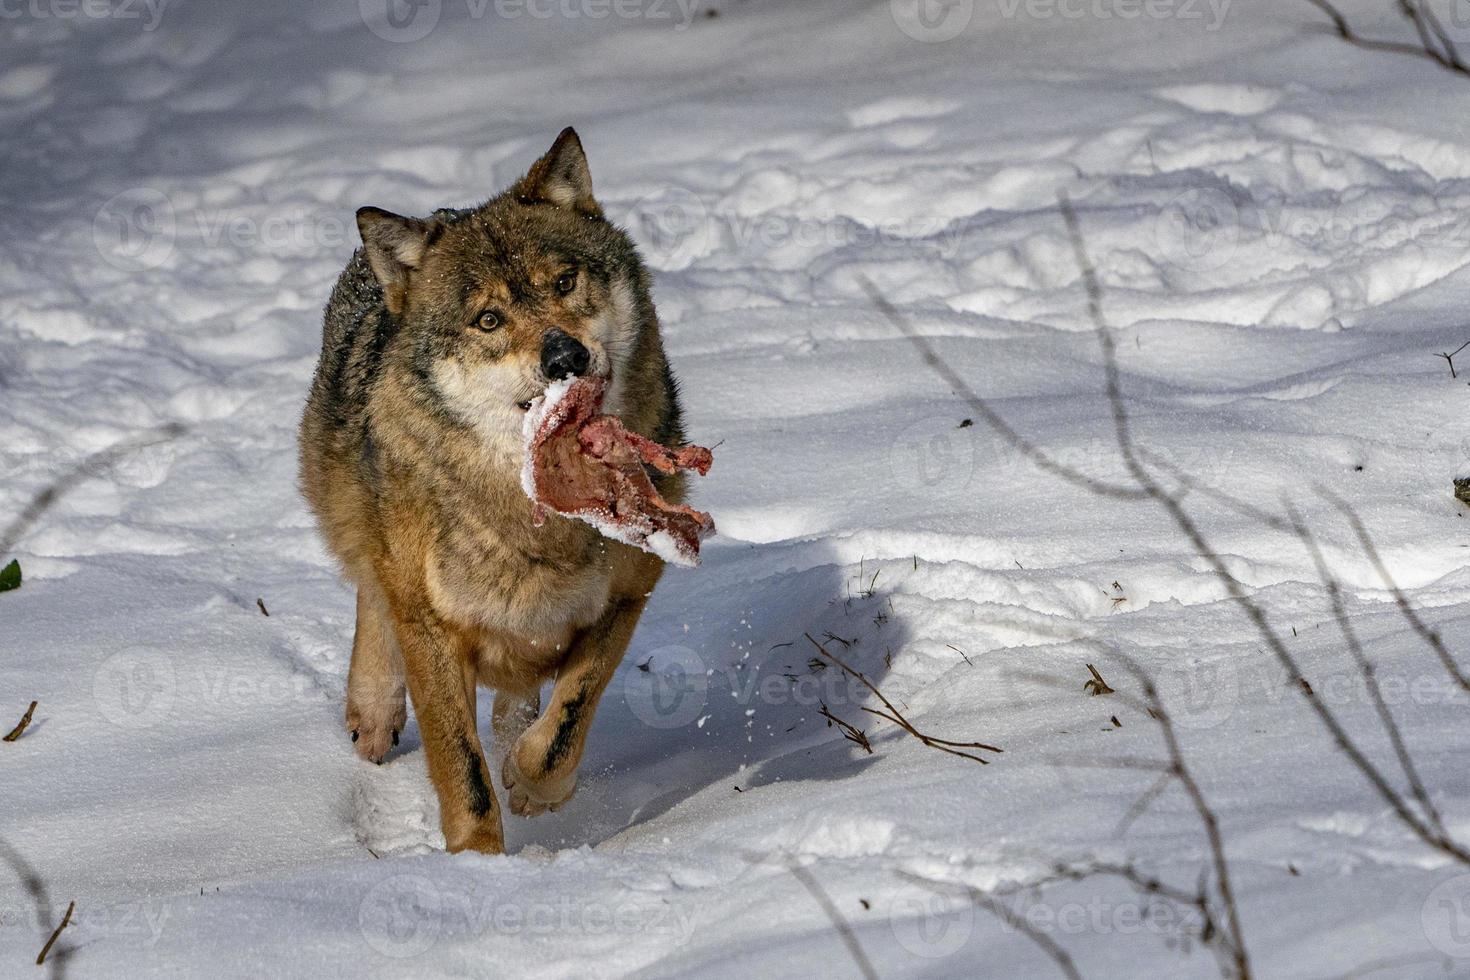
563,355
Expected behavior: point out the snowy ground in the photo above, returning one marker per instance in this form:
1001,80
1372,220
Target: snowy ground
1281,224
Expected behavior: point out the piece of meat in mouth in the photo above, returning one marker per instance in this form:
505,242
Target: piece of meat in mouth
584,464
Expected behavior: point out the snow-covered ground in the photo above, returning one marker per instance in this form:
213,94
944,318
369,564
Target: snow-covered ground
1281,225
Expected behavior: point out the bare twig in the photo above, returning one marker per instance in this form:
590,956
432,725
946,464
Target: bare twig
1235,936
1406,608
895,716
1450,358
25,720
1370,676
1447,59
993,418
1430,31
65,921
1191,531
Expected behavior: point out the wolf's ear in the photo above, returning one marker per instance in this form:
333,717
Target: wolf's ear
561,177
395,246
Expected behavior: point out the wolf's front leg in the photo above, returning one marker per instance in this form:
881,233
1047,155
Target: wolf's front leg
540,771
441,684
376,712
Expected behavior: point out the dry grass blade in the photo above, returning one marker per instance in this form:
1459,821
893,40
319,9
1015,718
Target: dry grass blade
853,734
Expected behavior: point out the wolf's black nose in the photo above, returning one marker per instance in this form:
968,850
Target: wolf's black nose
563,355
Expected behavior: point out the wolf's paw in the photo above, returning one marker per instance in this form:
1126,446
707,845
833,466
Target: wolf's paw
529,796
375,728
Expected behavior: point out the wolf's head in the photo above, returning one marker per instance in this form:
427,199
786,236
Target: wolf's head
495,302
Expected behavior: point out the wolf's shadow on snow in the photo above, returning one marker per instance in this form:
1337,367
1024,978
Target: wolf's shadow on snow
720,687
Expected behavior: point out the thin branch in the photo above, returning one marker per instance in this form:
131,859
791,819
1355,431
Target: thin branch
65,921
996,422
1450,358
1345,31
895,716
1406,608
25,720
1191,531
1370,676
1431,30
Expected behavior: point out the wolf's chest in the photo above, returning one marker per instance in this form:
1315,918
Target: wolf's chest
533,582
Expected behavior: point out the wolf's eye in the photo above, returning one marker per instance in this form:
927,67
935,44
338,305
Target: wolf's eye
566,283
488,320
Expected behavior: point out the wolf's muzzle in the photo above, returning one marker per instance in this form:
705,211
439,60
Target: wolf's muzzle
563,355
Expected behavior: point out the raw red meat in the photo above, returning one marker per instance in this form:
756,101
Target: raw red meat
586,465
